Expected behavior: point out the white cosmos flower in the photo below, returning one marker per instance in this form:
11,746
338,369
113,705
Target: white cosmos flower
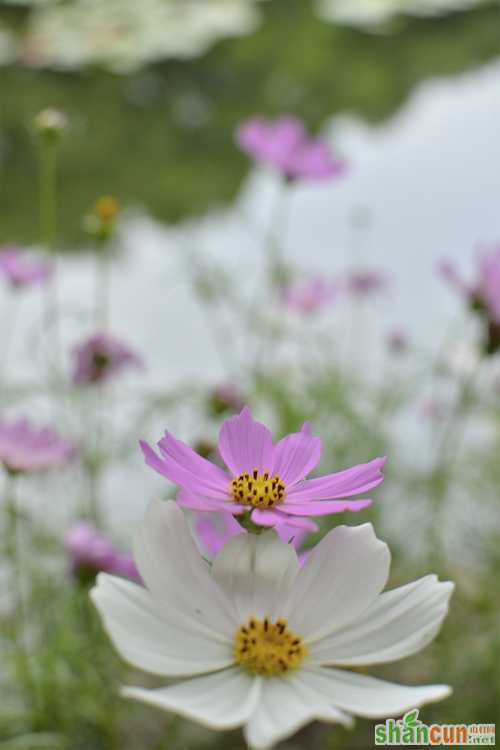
261,642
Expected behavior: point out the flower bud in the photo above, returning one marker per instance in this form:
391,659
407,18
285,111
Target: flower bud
50,123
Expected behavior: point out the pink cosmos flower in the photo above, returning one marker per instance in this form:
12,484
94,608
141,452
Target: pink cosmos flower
91,551
24,448
266,480
484,292
21,270
433,410
365,282
397,341
309,295
100,358
285,144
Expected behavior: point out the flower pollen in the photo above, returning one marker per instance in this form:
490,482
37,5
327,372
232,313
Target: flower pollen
259,490
267,648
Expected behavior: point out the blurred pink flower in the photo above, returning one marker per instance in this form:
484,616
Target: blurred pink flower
226,397
484,292
309,295
365,282
100,358
91,551
285,144
433,410
21,270
24,448
265,480
397,341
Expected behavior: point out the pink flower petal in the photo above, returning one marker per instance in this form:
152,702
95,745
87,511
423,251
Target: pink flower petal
197,502
323,507
276,518
204,482
245,444
190,460
360,478
212,536
296,455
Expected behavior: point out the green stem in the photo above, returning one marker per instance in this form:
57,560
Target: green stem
93,485
446,455
276,235
48,231
102,286
47,196
19,617
9,324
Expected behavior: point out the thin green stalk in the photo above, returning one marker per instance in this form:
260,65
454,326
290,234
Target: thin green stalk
9,325
102,286
47,194
93,471
274,244
19,615
276,270
48,231
446,455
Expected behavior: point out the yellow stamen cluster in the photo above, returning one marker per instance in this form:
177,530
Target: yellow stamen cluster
264,647
259,490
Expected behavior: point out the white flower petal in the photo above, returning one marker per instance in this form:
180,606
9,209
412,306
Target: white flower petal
145,638
369,697
342,576
222,700
178,577
286,704
399,623
256,572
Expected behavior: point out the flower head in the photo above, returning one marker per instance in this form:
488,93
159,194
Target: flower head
91,551
101,221
100,358
24,448
21,270
266,480
309,295
483,294
397,341
285,144
365,282
226,397
50,123
255,640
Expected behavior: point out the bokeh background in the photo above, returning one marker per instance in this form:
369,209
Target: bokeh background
407,92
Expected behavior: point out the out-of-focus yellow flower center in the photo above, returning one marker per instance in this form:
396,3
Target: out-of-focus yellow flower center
259,490
106,208
268,648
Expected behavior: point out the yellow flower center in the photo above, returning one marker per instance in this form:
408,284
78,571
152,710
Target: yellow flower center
264,647
106,208
259,490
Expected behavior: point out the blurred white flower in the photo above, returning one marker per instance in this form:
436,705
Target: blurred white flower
373,13
122,35
261,642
